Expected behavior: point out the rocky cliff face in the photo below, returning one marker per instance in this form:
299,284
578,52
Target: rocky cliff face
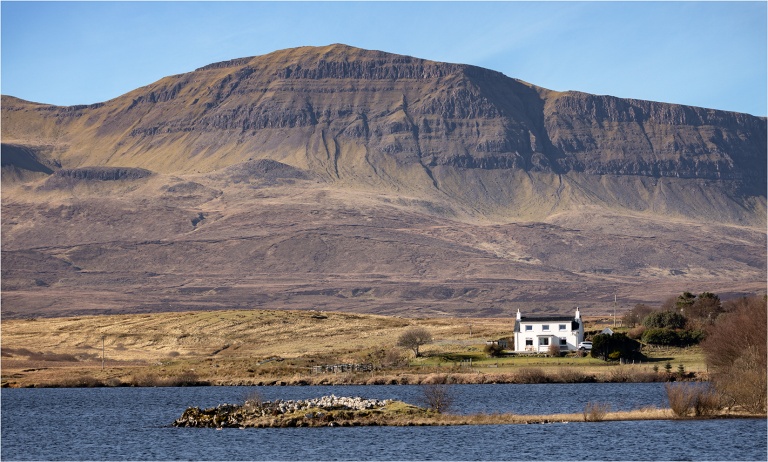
384,121
606,135
412,111
321,175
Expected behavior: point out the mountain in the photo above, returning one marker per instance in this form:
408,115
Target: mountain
341,178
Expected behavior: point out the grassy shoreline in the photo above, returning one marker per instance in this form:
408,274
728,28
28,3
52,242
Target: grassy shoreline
81,379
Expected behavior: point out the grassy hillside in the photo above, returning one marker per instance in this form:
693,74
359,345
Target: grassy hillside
256,346
251,236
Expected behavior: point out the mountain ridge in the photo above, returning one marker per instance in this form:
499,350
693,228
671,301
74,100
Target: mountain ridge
334,176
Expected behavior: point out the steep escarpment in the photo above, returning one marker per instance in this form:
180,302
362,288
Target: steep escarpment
388,122
603,135
349,179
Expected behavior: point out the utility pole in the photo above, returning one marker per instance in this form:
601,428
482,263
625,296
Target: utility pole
614,310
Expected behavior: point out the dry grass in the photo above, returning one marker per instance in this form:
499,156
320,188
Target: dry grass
220,346
503,419
398,413
251,347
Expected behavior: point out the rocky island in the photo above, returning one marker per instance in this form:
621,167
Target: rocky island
327,411
333,411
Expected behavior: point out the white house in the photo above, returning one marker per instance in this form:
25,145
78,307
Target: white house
534,334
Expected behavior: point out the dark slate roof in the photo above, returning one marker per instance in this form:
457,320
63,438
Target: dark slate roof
546,318
552,319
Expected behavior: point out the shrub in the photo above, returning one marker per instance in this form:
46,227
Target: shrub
114,382
660,336
690,337
146,380
383,358
665,319
493,350
530,375
185,379
664,336
707,402
679,397
254,400
595,412
439,379
83,381
554,349
636,333
573,375
438,396
614,347
684,398
633,374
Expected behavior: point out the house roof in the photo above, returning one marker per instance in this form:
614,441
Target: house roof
545,319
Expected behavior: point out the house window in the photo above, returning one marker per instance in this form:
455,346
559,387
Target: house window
543,341
527,328
545,327
562,327
529,342
563,342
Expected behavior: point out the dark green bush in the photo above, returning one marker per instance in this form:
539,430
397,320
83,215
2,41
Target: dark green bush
664,319
493,350
669,337
660,336
691,337
614,347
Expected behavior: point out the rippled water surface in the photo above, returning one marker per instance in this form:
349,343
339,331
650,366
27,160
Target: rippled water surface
133,423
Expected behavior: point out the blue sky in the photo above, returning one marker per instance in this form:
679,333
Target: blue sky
710,54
